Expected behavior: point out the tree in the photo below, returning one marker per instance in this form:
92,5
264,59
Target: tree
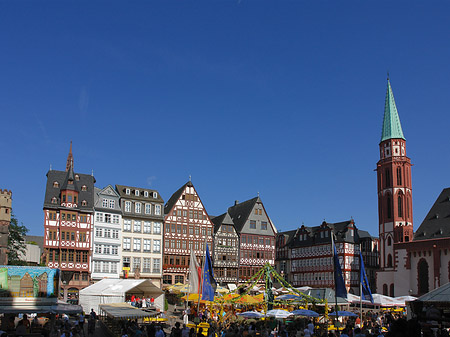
16,242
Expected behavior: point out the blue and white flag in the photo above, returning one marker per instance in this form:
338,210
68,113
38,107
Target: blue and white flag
366,293
209,283
339,285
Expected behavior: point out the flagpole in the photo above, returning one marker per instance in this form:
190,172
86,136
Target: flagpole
335,293
203,266
360,287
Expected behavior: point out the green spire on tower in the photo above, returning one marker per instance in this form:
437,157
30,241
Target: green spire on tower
391,122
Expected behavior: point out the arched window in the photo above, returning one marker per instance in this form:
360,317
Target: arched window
385,290
387,178
422,277
389,261
399,176
400,205
407,207
389,210
389,241
391,290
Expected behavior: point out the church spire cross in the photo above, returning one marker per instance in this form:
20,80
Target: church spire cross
69,164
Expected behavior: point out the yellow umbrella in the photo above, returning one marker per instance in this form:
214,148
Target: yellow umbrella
247,299
222,290
192,297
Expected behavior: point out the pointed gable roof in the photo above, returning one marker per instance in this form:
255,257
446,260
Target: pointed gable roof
174,198
240,212
69,182
218,221
391,122
436,224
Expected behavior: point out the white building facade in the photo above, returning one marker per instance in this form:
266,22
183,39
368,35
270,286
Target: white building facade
107,235
142,229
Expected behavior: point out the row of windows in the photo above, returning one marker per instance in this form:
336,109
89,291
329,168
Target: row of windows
167,279
137,247
227,229
107,218
263,225
221,272
69,216
256,240
106,233
105,267
183,229
139,225
68,256
227,257
185,244
146,194
55,201
197,214
68,236
175,260
256,254
247,272
84,276
106,249
226,242
139,207
148,265
108,203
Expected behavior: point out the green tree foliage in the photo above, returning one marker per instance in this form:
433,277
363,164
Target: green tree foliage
16,242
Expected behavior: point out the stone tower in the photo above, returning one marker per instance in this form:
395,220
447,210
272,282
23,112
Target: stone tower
394,186
5,220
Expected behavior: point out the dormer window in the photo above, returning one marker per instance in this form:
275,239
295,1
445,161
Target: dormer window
77,177
155,195
84,203
84,188
70,182
56,184
127,191
136,193
54,200
146,194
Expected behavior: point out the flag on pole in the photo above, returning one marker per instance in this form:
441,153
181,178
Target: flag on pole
366,294
209,283
339,285
194,274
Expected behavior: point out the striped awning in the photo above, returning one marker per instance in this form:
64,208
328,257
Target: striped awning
124,311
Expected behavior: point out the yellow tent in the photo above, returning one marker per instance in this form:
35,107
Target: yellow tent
247,299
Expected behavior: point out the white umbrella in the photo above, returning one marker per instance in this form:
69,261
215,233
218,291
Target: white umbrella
250,314
278,313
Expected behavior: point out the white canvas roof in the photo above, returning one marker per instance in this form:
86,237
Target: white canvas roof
109,291
114,287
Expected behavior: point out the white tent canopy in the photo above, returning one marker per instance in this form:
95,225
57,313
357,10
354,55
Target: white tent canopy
109,291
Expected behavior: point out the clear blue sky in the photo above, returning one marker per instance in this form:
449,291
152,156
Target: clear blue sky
284,98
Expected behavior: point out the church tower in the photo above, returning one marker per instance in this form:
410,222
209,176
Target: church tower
394,185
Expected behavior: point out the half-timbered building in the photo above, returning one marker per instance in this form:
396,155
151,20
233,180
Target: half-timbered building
257,236
283,258
225,250
311,254
68,222
187,226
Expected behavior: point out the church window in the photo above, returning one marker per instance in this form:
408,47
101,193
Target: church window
389,261
389,241
387,178
400,206
389,210
385,290
422,277
391,290
399,176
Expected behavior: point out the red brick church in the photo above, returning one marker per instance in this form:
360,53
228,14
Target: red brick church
410,263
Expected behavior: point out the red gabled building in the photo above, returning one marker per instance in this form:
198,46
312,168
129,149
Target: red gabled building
187,226
68,221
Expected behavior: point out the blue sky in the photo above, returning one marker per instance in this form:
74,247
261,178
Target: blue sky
284,98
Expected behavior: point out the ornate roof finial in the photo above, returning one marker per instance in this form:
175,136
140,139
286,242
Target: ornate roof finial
50,167
190,178
258,194
69,164
92,173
